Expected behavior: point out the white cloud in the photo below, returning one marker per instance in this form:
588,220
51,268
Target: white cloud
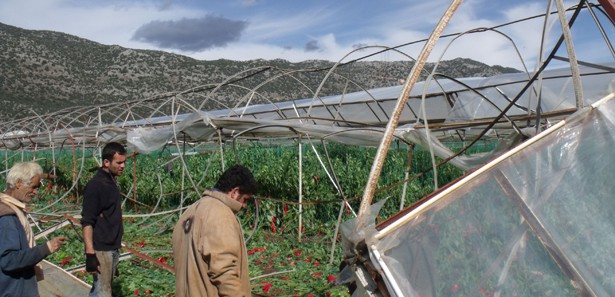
272,34
266,27
113,24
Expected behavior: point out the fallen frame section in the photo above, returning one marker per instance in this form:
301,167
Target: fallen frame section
537,221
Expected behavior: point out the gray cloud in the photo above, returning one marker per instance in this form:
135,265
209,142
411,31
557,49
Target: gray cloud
191,34
166,4
312,46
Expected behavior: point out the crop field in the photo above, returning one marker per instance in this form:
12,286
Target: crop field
294,248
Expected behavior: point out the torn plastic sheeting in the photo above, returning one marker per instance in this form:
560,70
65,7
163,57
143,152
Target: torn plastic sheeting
357,233
292,128
464,162
149,139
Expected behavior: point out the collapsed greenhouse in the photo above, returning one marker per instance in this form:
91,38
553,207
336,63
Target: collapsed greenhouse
530,217
535,221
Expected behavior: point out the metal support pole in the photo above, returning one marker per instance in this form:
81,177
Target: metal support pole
413,77
406,176
300,188
574,66
221,149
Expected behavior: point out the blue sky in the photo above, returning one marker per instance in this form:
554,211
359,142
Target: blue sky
297,30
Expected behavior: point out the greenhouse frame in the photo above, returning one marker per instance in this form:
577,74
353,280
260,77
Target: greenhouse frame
531,217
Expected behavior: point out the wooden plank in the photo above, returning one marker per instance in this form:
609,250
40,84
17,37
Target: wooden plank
60,283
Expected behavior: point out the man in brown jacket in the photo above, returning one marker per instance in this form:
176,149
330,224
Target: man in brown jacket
208,245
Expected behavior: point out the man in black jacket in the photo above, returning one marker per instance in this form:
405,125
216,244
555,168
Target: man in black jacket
102,220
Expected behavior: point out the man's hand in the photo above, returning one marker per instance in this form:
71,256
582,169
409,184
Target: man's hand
91,263
56,243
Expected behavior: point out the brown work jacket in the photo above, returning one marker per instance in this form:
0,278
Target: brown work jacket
209,249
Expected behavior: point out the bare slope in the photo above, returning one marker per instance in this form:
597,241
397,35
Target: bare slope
45,71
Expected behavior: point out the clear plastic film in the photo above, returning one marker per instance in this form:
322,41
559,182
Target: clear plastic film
537,223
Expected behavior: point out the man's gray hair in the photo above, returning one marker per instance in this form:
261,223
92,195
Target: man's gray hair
24,171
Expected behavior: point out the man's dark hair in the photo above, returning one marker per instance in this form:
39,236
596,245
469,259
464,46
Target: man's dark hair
111,149
237,176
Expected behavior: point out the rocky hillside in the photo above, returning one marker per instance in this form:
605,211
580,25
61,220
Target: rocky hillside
45,71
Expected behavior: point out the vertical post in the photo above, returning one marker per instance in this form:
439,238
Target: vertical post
413,77
574,66
134,180
75,177
337,229
406,176
184,168
300,187
53,168
221,149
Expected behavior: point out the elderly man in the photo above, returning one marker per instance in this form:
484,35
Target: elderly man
19,254
208,246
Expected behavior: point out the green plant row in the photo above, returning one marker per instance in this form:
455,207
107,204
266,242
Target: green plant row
300,265
161,179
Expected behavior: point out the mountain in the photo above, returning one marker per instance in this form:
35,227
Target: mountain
46,71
